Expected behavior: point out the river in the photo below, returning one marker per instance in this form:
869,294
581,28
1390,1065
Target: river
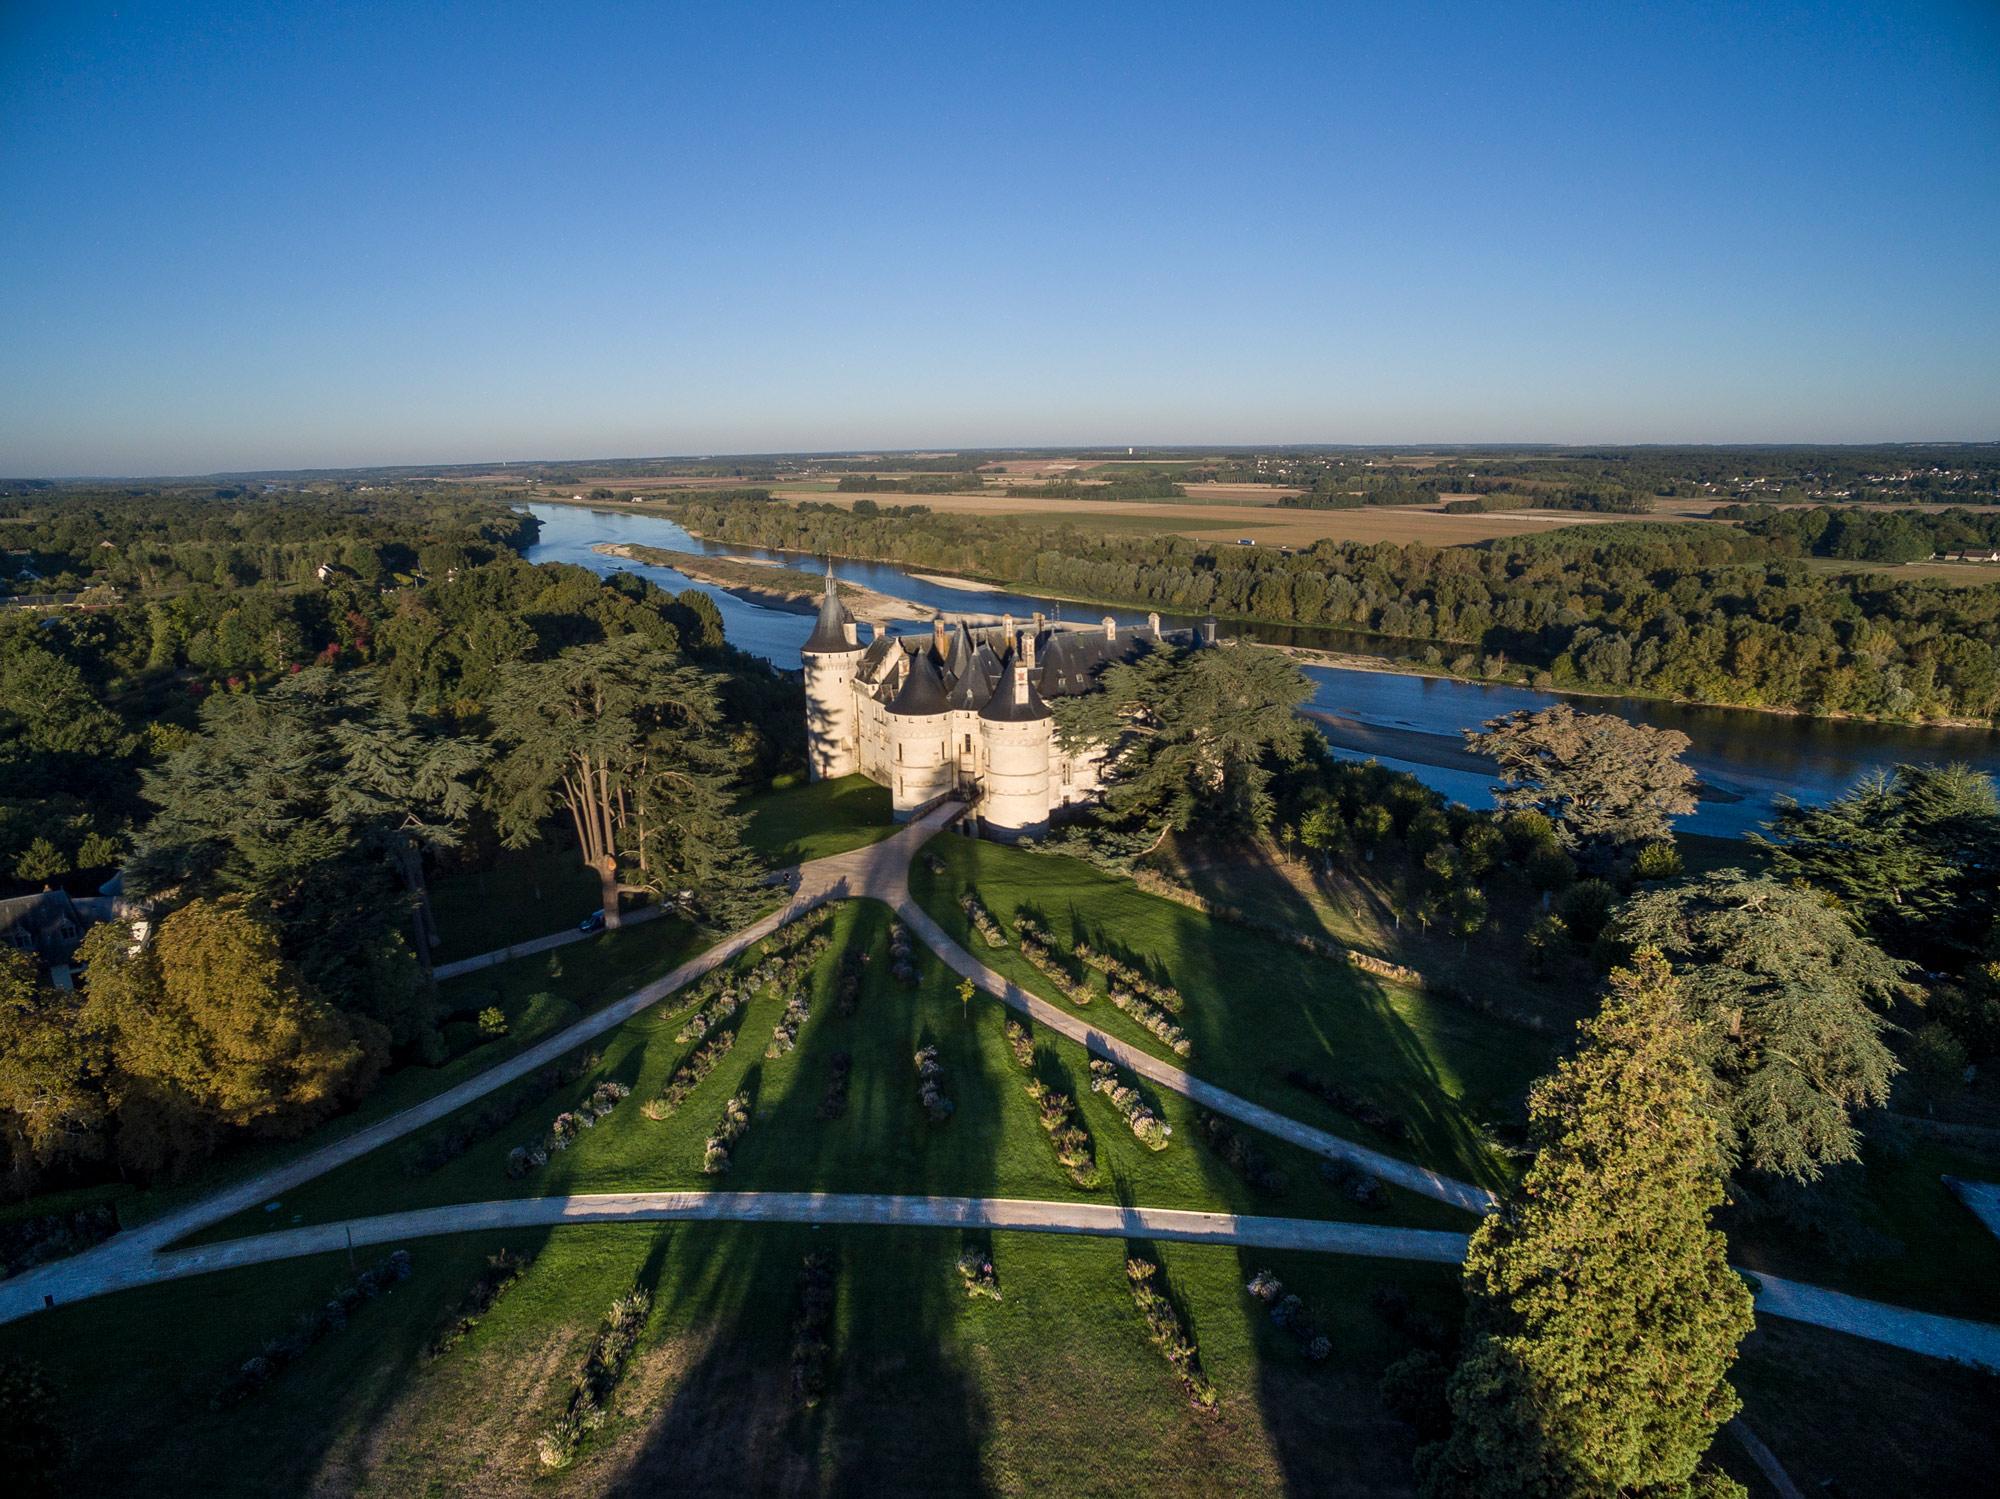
1746,759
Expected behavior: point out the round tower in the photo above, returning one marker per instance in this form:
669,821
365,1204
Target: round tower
1018,735
921,766
830,654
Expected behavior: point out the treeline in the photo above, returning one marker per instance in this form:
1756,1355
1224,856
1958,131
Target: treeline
1612,502
1867,535
914,484
1711,615
1154,486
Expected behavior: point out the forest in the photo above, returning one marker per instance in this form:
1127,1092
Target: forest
1714,616
278,761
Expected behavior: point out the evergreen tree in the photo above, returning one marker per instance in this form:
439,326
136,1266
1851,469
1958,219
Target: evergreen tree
629,740
1602,1314
1787,999
1604,784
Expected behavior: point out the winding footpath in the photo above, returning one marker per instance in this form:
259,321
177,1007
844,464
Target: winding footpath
141,1256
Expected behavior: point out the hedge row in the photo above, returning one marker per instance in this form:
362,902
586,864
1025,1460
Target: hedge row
1240,1153
1169,1332
440,1150
1359,1109
1148,1128
309,1328
812,1342
493,1281
684,1079
1118,971
1064,1127
566,1128
982,920
938,1106
1289,1312
834,1105
735,1122
1153,1018
603,1366
1040,951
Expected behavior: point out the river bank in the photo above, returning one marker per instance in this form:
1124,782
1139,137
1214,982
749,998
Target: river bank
769,585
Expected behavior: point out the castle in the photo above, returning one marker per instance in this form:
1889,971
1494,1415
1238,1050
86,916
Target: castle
962,710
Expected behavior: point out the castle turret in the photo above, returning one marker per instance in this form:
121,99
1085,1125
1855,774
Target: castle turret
1017,733
921,766
833,736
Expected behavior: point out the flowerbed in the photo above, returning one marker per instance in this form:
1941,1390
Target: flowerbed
1168,1331
938,1106
735,1123
603,1366
1148,1128
1038,950
689,1075
1290,1313
566,1128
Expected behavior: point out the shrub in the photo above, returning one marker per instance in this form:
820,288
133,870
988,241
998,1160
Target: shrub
566,1128
1337,1098
937,1104
1021,1041
438,1150
1289,1312
976,1270
711,1012
1148,1128
1167,1330
982,921
689,1075
1071,1141
785,1034
309,1328
1240,1153
1586,908
1036,949
734,1124
1153,1018
1659,860
835,1103
812,1345
492,1282
1355,1184
847,990
603,1366
492,1022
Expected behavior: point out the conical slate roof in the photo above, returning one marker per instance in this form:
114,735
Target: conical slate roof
923,689
830,629
1009,705
971,690
961,652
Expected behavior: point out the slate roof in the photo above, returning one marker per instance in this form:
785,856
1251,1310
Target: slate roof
830,630
923,689
48,923
1010,706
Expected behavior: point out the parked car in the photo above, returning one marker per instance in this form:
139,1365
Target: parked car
594,922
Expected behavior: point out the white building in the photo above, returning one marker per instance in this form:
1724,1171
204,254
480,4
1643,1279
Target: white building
962,710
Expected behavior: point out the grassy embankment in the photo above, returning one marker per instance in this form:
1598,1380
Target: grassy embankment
992,1146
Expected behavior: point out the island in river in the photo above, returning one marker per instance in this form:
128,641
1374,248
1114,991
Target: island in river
770,584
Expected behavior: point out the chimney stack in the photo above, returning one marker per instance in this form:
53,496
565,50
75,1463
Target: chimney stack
938,641
1153,625
1028,651
1110,628
1040,621
1208,630
852,632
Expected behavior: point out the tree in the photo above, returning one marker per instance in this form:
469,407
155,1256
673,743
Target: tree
1786,998
628,739
207,1025
1910,853
1190,734
51,1103
1602,1315
1604,784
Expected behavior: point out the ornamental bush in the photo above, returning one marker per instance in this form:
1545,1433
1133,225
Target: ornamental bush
982,921
1167,1330
812,1333
603,1366
309,1328
1289,1312
688,1076
834,1104
735,1123
1148,1128
937,1104
1359,1109
566,1128
976,1270
1240,1153
1064,1127
1153,1018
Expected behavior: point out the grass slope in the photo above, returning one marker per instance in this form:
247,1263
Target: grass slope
1256,1007
794,822
992,1146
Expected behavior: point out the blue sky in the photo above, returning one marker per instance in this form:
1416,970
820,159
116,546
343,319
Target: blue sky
241,235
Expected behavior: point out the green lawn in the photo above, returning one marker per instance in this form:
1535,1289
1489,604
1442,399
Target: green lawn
790,824
1257,1007
992,1146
